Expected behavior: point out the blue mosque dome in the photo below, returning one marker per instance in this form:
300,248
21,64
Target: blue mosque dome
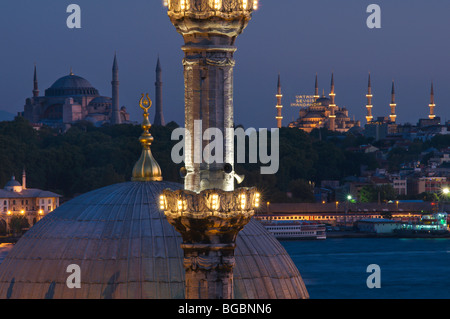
71,85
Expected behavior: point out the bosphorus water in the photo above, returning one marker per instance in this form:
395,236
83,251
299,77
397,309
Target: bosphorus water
336,268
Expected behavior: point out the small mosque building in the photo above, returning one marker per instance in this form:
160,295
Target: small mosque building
18,200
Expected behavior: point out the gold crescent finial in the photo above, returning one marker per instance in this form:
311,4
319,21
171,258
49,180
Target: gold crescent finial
146,168
145,103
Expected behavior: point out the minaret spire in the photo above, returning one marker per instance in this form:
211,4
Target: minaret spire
432,105
332,105
279,106
35,87
393,105
369,105
115,112
159,115
316,91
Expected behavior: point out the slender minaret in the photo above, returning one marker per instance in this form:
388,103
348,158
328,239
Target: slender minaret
432,105
332,105
279,106
35,87
115,111
159,116
369,105
24,179
393,116
316,91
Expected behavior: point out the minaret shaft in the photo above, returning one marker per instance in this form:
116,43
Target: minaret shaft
369,105
332,106
159,115
393,105
279,106
35,84
115,112
208,73
432,105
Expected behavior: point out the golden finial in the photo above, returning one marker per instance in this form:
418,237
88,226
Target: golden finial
146,168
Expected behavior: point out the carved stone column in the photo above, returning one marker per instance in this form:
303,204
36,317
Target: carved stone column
209,223
209,29
209,213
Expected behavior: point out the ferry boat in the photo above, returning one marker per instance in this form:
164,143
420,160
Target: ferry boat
289,229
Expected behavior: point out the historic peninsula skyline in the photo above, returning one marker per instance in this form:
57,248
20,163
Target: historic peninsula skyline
299,44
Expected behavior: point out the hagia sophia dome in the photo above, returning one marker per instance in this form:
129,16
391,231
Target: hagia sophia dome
71,85
126,249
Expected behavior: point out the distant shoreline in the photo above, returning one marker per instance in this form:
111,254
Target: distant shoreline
350,234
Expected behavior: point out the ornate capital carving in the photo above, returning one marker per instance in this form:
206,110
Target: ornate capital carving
196,263
210,203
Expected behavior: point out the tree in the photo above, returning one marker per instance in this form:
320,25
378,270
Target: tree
17,224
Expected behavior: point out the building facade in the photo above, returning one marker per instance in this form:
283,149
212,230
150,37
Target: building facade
18,200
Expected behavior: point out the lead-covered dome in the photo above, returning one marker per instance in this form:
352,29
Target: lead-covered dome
71,85
126,249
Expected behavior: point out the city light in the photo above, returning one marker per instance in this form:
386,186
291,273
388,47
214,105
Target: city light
162,202
243,202
257,199
446,191
215,202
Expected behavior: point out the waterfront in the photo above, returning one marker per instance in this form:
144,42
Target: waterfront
410,268
335,268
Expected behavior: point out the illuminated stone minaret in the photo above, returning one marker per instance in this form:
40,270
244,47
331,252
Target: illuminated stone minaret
35,82
332,105
209,212
369,105
393,105
279,106
432,105
316,89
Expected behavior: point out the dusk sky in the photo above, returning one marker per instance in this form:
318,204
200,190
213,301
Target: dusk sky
297,38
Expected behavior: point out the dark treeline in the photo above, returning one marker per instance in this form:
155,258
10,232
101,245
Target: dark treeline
86,158
83,159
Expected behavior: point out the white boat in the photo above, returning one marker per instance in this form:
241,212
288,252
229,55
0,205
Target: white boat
288,229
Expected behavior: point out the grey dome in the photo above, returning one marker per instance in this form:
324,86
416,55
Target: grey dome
323,101
126,249
101,101
12,183
71,85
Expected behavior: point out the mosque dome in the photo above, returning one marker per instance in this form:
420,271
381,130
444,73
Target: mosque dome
71,85
12,183
126,248
323,101
101,101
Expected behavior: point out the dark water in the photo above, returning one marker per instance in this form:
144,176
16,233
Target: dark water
337,268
